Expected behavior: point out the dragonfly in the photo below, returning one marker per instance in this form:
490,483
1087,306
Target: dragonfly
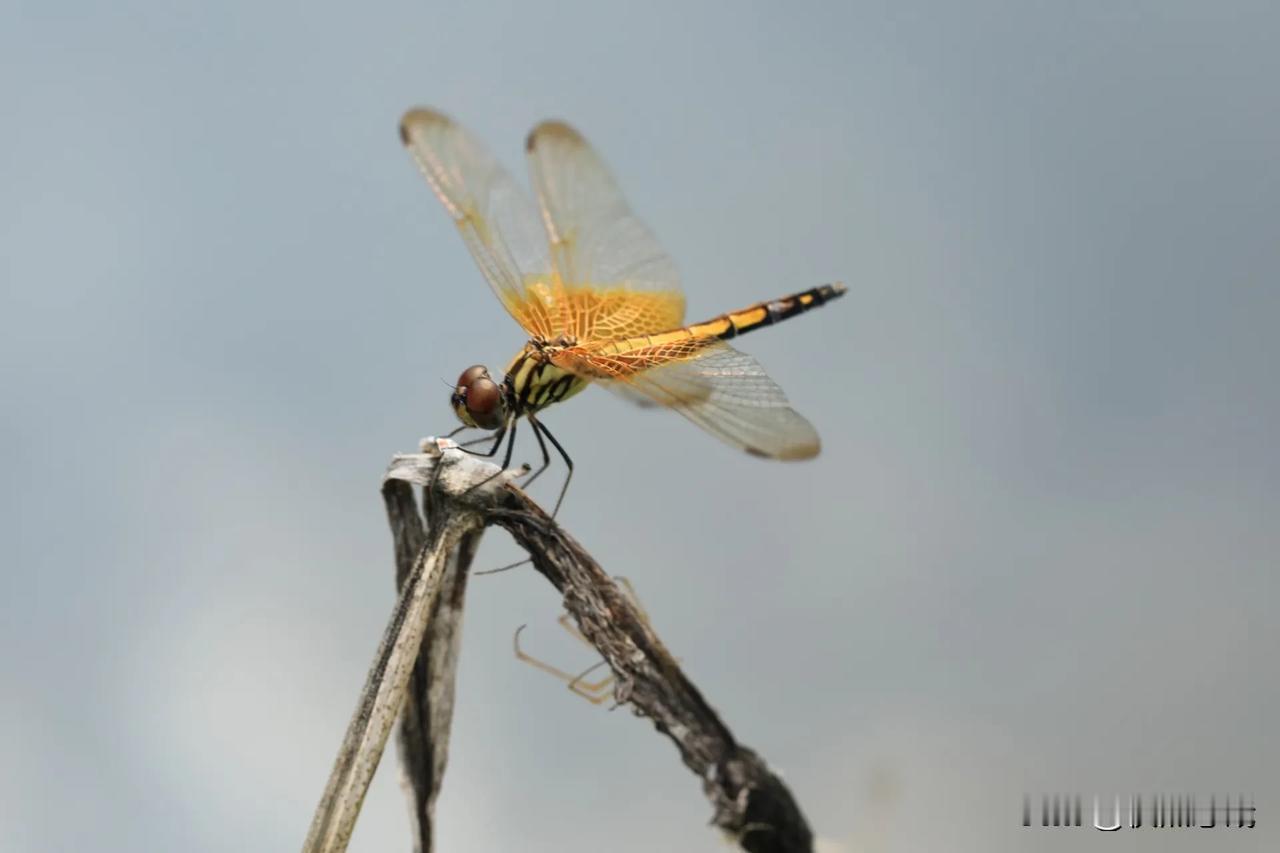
599,298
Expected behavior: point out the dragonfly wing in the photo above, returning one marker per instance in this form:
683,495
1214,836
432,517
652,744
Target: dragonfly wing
495,216
604,255
630,394
724,391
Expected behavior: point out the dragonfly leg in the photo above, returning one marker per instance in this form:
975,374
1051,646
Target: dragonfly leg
503,432
497,442
511,445
538,426
497,438
546,461
505,462
542,445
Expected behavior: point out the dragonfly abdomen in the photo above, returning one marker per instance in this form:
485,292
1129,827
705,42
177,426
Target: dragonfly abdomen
768,313
647,351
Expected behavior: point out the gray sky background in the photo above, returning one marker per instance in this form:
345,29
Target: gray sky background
1037,553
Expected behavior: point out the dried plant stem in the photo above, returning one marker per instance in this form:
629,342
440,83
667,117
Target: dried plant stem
750,803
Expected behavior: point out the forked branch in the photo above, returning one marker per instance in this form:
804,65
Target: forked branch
463,494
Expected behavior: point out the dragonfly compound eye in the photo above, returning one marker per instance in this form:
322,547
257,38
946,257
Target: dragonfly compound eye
484,403
471,374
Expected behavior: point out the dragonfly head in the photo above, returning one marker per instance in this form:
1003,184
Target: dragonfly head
477,400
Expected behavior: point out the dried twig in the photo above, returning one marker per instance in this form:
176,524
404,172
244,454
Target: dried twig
428,709
431,580
750,803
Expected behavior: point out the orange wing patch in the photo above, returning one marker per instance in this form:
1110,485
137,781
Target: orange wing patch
621,358
590,314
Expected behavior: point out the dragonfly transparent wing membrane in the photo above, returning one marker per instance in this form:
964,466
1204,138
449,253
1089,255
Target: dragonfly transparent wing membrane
724,391
494,214
597,243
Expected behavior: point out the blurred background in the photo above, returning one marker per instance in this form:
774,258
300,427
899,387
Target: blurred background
1038,552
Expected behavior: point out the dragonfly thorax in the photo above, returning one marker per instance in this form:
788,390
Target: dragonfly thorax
538,342
533,380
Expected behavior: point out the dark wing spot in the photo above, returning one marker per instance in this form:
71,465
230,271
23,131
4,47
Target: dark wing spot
549,129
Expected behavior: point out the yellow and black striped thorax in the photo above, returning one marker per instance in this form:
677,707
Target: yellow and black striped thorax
532,382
